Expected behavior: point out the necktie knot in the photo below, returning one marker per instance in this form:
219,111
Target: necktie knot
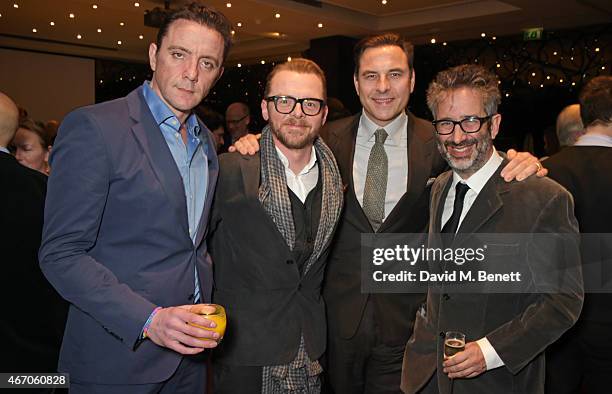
380,136
460,190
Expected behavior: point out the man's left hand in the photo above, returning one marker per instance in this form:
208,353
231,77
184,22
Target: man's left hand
466,364
522,165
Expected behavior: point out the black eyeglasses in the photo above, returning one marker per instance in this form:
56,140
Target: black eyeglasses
471,124
236,121
286,104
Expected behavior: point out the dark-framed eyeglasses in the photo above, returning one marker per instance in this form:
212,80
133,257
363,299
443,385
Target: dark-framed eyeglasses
286,104
471,124
236,121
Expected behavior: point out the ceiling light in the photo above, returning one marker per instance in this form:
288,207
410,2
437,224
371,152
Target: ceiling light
548,77
71,15
141,37
483,35
263,62
239,65
444,43
495,38
573,83
233,32
79,36
596,49
239,24
433,41
277,16
507,94
119,42
228,5
52,23
555,53
384,2
289,58
541,85
136,4
560,81
99,30
121,24
320,25
603,67
34,30
95,6
15,5
498,65
533,74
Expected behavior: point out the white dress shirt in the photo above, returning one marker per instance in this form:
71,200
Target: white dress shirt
395,146
476,182
301,184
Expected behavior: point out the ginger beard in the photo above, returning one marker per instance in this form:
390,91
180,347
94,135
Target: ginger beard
294,133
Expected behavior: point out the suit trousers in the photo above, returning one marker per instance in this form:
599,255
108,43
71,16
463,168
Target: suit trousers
231,379
581,361
189,378
364,363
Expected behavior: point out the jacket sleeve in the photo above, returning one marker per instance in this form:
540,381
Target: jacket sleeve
558,279
75,206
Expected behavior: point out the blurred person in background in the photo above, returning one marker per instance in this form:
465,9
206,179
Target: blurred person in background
31,146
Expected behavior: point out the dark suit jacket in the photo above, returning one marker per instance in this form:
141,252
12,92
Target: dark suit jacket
585,172
116,241
342,289
519,326
33,322
268,303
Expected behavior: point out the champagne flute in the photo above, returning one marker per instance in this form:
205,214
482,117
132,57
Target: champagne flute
454,342
212,312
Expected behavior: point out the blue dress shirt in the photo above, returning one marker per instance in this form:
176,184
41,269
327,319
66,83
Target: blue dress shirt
191,159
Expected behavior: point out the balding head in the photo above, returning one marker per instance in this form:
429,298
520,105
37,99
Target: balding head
569,125
9,119
237,118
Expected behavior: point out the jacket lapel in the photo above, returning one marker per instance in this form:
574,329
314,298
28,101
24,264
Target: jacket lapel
213,171
152,142
344,151
487,203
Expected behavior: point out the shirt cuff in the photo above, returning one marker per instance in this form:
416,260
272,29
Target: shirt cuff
490,355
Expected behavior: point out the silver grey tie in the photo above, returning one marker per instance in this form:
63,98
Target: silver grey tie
376,181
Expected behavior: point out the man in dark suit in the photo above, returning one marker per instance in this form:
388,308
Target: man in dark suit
126,218
387,178
583,356
273,220
32,324
506,333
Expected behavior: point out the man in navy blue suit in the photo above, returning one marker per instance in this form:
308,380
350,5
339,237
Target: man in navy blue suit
126,218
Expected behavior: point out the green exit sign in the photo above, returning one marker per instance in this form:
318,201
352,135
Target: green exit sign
533,34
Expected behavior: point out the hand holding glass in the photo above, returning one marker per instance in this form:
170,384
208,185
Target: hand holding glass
212,312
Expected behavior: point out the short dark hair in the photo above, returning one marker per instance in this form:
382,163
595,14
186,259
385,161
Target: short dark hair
300,66
596,101
470,76
381,40
203,15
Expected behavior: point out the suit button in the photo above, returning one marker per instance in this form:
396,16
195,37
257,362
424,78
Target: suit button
446,297
289,261
442,335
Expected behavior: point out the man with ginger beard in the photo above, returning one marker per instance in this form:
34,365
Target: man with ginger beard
273,220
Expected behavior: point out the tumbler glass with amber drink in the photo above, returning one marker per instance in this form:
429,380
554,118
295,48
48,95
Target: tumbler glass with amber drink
454,342
212,312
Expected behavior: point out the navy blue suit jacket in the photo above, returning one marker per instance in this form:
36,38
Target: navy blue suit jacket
116,241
